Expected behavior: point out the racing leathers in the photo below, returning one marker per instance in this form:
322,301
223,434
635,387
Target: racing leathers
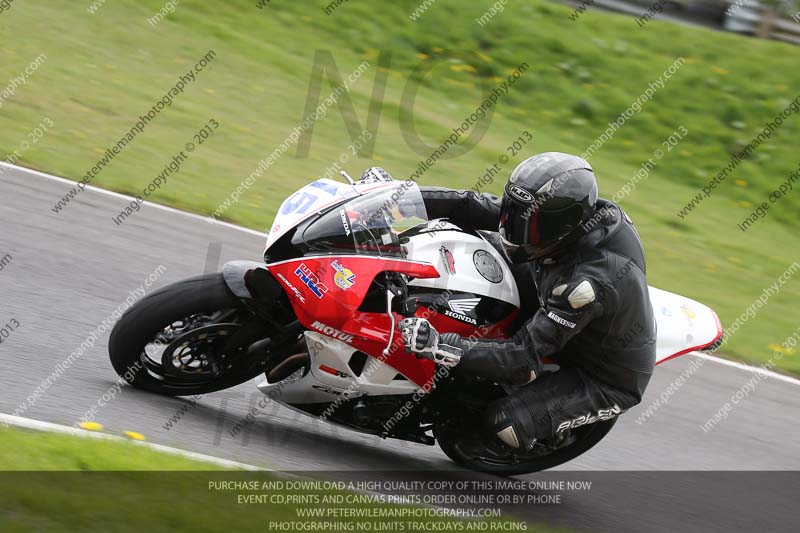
587,309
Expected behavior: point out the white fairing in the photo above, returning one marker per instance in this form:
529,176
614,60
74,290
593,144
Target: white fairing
472,255
317,386
683,324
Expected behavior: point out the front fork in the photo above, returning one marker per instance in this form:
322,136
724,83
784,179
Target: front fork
254,285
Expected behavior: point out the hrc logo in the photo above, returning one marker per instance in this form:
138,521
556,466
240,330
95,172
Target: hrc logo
310,280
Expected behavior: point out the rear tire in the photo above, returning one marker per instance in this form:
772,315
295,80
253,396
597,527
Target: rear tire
586,437
147,319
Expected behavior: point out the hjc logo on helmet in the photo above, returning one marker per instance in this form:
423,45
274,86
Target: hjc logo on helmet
519,194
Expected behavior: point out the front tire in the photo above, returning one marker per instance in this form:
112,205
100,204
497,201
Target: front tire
191,321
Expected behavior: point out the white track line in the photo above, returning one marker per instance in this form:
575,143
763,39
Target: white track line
734,364
38,425
748,368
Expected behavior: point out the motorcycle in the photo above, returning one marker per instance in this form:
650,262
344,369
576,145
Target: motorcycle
316,324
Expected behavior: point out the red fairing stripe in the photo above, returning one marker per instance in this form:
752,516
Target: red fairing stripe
329,370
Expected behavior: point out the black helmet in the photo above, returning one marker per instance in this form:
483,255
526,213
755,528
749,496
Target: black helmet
546,200
375,175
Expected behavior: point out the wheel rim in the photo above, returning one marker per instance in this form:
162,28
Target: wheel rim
189,352
197,353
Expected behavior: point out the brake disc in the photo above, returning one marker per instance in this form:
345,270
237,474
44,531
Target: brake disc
196,353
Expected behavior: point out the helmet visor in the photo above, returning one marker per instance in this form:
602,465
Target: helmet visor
538,227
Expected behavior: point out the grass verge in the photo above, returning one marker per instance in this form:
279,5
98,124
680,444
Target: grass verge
54,482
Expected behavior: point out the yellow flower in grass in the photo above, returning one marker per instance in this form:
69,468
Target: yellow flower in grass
744,203
461,68
780,349
437,50
422,56
741,183
720,71
460,83
733,259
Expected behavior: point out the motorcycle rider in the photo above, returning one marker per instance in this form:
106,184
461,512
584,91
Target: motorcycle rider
580,269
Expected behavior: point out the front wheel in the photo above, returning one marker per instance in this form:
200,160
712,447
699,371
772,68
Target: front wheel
543,456
177,341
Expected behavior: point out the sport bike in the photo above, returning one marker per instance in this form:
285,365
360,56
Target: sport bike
317,324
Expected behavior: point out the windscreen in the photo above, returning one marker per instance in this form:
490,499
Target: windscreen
370,224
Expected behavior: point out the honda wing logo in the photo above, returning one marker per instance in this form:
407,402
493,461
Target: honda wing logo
464,306
460,308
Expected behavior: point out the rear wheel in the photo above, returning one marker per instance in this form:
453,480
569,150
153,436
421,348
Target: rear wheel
187,338
458,443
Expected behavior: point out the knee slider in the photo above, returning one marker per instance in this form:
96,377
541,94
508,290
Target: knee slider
509,437
503,424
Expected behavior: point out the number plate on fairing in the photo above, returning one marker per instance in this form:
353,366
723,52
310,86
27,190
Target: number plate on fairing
307,201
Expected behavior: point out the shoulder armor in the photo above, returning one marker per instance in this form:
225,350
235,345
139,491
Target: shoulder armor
583,294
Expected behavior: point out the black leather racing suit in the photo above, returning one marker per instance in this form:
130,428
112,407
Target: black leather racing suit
588,309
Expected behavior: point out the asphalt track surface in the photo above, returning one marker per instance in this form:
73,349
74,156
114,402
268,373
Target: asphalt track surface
69,271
